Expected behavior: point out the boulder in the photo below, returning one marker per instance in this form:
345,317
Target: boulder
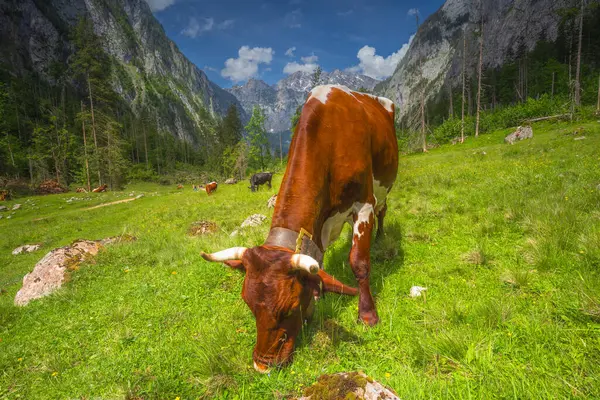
50,272
271,202
522,133
26,248
347,385
231,181
3,208
16,207
254,220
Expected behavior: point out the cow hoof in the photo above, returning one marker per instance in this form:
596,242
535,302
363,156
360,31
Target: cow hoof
369,318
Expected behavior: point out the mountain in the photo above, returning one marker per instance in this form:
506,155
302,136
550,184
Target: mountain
511,28
281,100
149,69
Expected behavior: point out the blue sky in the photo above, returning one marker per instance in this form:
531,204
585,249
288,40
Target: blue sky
233,40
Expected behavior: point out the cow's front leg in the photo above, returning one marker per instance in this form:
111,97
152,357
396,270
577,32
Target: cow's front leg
360,261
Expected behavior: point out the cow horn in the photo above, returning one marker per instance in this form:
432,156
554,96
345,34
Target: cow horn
234,253
307,263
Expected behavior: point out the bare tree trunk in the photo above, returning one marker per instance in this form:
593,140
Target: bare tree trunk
85,154
451,110
578,71
423,132
94,129
145,145
470,99
464,67
480,71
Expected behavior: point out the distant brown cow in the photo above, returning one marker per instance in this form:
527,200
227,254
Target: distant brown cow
342,163
100,189
210,188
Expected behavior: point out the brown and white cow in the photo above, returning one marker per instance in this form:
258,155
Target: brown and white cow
342,163
210,187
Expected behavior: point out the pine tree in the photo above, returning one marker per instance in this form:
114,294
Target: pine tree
316,77
259,141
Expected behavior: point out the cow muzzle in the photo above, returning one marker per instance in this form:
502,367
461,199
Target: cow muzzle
263,369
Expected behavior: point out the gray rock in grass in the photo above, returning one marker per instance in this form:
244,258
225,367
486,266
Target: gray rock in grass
522,133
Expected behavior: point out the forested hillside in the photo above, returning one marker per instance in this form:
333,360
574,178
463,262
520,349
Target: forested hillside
97,88
541,57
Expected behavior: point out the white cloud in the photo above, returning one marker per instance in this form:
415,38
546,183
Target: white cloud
159,5
290,52
345,13
246,65
413,11
376,66
309,64
195,29
310,59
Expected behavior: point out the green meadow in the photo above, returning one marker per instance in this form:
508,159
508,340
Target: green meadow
506,238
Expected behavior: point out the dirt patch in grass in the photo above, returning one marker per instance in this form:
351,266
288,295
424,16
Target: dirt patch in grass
200,228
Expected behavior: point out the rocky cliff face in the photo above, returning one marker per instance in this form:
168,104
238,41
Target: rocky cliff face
510,27
281,100
35,36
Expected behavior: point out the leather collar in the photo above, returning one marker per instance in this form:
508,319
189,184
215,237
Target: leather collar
287,238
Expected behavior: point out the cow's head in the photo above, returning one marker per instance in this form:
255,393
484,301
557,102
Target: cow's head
279,287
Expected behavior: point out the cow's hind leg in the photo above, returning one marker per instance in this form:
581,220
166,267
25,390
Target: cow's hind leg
380,217
360,261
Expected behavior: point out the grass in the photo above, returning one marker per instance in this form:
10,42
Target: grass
505,238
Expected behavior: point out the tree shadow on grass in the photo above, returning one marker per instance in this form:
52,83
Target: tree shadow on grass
387,256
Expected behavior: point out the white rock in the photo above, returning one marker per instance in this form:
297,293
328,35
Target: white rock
416,291
16,206
139,196
26,248
254,220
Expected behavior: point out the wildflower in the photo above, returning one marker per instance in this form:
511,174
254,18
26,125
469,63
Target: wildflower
126,270
177,398
20,359
388,375
581,252
174,273
54,373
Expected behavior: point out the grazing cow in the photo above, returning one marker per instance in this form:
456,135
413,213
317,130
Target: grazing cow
260,179
342,163
100,189
210,187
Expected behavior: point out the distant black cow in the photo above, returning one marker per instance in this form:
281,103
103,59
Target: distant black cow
260,179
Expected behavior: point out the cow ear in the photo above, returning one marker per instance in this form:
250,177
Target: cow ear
330,284
235,264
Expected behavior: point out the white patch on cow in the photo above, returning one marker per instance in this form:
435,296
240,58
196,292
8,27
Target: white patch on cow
213,182
380,193
385,102
333,227
364,211
321,92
